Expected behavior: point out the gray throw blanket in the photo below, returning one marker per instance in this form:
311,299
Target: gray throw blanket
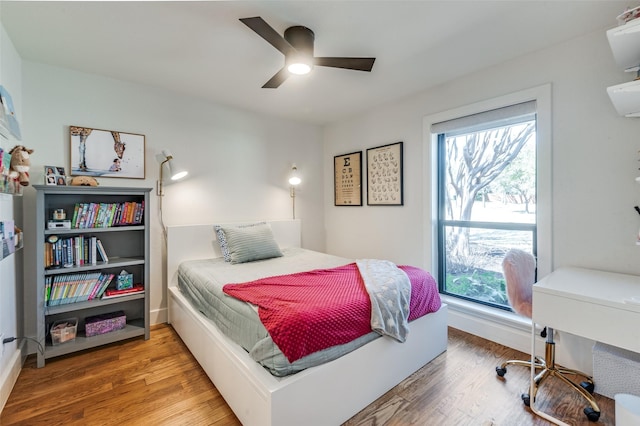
390,291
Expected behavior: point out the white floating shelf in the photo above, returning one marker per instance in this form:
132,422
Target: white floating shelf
626,98
624,41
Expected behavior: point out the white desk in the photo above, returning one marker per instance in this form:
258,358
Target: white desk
589,303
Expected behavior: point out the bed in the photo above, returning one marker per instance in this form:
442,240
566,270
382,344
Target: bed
315,395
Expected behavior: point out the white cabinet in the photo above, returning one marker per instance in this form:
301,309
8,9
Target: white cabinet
625,45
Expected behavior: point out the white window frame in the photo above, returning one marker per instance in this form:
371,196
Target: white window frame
466,314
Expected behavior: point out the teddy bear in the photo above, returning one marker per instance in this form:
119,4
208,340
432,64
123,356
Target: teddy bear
83,181
20,164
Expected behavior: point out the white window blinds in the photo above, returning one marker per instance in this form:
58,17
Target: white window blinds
491,119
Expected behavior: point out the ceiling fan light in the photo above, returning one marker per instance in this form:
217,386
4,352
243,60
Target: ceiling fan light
299,67
299,63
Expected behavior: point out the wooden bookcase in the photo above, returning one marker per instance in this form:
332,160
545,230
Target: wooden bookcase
127,248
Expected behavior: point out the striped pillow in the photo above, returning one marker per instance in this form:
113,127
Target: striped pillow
222,238
249,243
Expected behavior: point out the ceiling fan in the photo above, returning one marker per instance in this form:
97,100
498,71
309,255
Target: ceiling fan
297,47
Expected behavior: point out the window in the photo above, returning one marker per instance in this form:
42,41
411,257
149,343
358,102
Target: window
487,198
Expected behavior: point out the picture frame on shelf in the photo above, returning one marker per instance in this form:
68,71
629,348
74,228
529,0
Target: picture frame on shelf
348,179
55,175
385,175
106,153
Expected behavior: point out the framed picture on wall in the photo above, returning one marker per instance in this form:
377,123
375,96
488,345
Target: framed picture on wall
348,179
384,175
106,153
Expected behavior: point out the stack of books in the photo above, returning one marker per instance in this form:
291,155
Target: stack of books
112,292
71,288
73,251
105,215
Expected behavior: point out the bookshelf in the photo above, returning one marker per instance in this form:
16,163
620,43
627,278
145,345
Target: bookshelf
126,244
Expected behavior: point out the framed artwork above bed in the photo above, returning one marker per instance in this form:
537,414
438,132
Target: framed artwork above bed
348,179
384,175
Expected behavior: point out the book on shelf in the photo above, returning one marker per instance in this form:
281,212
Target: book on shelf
73,251
72,288
105,215
101,251
112,293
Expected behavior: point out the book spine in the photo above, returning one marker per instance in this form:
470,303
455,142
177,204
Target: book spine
89,285
139,213
93,215
82,216
105,285
97,284
74,221
69,261
47,251
103,215
47,289
102,251
112,213
54,291
93,250
131,212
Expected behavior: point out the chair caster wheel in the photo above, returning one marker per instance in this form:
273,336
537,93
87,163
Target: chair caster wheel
501,371
592,414
527,399
588,386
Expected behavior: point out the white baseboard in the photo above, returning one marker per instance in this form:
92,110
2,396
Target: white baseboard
514,331
9,377
159,316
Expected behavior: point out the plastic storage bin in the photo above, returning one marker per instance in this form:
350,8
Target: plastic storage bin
615,370
64,331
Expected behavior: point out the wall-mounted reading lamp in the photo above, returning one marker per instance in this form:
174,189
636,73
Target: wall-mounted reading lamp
294,180
175,173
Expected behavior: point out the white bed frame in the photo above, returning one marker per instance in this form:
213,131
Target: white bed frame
328,394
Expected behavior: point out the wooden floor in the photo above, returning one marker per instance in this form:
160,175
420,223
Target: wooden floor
158,382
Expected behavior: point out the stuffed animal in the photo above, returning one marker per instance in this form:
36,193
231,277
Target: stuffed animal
84,181
20,164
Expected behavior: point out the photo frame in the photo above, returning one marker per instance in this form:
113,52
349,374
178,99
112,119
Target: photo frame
348,179
55,175
106,153
384,175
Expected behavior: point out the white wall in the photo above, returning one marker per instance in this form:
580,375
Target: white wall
595,159
239,161
11,310
594,154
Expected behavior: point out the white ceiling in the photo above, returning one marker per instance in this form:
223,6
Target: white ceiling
202,49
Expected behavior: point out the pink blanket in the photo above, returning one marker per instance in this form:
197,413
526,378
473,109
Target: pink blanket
310,311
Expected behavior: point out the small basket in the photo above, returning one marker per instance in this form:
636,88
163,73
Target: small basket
64,331
104,323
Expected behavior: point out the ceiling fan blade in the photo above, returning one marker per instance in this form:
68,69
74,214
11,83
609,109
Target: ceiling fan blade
265,31
277,79
359,64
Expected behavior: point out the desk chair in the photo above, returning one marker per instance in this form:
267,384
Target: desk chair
519,269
